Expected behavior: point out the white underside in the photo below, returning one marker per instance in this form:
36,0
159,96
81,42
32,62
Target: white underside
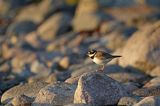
101,62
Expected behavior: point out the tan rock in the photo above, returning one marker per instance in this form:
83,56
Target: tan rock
149,101
64,62
22,100
128,101
142,50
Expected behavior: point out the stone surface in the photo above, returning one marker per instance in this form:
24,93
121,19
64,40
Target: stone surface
155,72
72,80
57,24
22,100
78,104
149,101
55,94
153,82
148,91
64,63
133,16
128,101
89,86
29,90
147,56
21,28
83,22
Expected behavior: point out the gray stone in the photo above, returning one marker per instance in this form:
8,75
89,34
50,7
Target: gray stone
21,28
77,104
55,94
148,91
95,88
29,90
134,16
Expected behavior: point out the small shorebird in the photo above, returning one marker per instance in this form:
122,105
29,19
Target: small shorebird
100,57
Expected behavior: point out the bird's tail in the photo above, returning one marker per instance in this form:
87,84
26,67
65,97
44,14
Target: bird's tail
116,56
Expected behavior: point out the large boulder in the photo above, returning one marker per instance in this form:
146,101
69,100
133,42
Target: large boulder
29,90
55,94
142,50
96,88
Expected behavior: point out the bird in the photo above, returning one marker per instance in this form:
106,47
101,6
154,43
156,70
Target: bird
101,57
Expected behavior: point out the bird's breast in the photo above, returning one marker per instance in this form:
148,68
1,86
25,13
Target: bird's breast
98,61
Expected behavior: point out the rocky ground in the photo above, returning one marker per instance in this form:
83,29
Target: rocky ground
43,46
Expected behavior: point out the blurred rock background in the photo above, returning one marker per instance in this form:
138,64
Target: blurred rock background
43,46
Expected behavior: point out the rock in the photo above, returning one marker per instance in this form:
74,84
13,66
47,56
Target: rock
155,72
153,82
132,77
149,101
51,78
76,41
147,57
21,28
29,90
22,100
45,8
36,78
28,13
57,24
128,101
148,91
117,35
20,61
62,76
64,62
86,13
82,22
72,80
92,90
116,72
78,104
39,68
32,40
133,16
54,94
130,86
154,3
87,7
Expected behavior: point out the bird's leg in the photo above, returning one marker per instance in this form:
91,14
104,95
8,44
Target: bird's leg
102,67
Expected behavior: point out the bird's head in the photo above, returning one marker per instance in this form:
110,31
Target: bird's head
91,52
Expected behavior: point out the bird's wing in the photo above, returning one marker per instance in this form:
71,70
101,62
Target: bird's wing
103,55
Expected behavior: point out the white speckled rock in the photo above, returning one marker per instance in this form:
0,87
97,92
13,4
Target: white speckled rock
96,88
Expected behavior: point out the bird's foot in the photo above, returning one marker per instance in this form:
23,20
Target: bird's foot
99,70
